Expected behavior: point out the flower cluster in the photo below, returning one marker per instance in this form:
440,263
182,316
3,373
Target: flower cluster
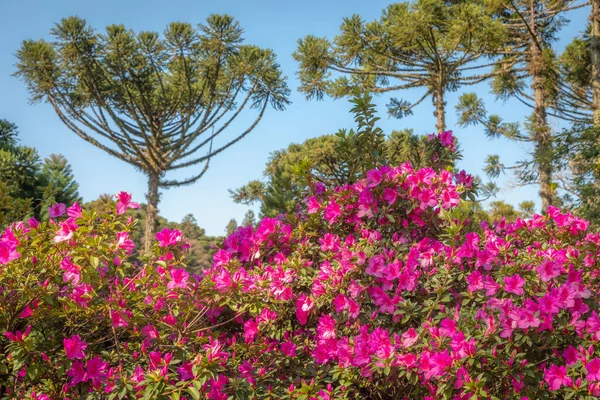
371,290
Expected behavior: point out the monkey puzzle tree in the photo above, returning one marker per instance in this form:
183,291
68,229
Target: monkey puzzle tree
153,101
529,73
430,44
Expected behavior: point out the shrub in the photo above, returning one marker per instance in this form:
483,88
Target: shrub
372,291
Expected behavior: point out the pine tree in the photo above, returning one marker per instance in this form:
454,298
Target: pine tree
153,101
58,180
531,77
434,45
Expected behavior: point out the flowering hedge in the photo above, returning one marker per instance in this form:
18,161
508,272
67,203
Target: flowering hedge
372,291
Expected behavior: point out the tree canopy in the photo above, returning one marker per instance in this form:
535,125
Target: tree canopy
157,102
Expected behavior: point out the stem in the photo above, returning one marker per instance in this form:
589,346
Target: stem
151,210
540,126
440,109
595,53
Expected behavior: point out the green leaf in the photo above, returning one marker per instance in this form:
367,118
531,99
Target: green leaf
194,392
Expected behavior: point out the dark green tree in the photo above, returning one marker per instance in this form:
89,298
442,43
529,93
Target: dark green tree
57,177
249,219
335,160
231,226
434,45
19,165
155,102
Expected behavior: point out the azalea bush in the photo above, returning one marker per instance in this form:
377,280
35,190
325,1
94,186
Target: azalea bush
375,290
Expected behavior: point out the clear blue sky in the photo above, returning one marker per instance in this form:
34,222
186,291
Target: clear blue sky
274,24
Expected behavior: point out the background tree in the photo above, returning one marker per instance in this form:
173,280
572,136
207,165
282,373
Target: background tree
339,159
19,165
31,184
231,226
435,45
533,79
153,101
57,177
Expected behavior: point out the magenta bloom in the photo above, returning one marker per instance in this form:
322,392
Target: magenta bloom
95,369
168,237
56,210
303,306
8,251
74,347
447,139
76,373
71,271
593,370
179,278
514,284
326,327
124,242
18,336
124,202
74,211
557,377
67,228
332,212
313,205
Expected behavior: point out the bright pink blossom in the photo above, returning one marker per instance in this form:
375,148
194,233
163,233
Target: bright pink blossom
74,347
124,202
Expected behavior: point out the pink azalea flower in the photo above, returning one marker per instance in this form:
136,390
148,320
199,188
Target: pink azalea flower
289,349
185,371
179,278
124,202
67,228
27,312
313,205
447,139
409,338
556,377
74,211
549,269
76,373
72,271
8,251
168,237
332,211
18,336
593,370
514,284
303,306
221,258
95,369
124,242
74,347
56,210
326,327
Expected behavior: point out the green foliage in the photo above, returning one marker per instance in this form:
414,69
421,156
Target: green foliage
153,101
201,249
430,44
29,181
336,160
57,177
577,155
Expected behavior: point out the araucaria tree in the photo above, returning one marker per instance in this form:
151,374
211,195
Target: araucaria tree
434,45
532,78
155,102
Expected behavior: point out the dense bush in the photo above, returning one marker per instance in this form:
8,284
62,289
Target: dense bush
372,291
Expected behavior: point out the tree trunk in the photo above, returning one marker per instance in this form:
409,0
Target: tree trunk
440,109
541,133
595,53
151,210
